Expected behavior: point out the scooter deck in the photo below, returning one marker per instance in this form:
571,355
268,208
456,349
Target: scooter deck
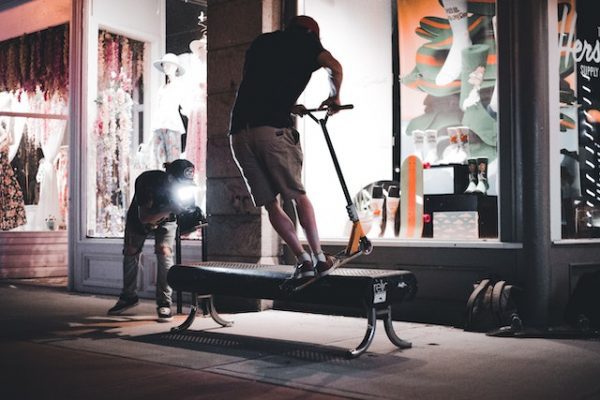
292,285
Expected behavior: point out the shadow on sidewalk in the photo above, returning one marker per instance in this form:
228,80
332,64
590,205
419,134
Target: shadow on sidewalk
251,347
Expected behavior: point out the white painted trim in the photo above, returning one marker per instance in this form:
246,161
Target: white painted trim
431,243
33,115
554,122
585,242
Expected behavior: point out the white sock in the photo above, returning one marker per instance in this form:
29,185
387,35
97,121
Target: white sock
321,256
419,138
304,257
431,155
456,10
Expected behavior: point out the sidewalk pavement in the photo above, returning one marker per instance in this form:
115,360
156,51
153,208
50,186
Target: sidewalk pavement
60,345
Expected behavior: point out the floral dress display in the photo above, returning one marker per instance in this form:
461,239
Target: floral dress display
12,206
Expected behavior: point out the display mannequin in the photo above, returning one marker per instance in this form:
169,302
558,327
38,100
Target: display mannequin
12,206
167,126
456,10
194,107
16,126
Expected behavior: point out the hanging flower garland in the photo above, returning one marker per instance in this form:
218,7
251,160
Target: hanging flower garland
37,60
119,61
112,131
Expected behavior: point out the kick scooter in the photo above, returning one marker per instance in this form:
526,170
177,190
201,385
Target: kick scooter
358,243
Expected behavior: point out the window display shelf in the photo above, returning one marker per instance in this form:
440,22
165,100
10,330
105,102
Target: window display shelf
484,211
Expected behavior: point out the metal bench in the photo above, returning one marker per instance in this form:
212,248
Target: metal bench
374,289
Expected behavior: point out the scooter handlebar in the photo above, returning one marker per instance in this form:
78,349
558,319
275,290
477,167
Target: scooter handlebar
337,108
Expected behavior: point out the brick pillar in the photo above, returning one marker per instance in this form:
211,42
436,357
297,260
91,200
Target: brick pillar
237,231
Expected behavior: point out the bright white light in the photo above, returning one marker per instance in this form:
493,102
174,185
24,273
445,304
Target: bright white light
185,194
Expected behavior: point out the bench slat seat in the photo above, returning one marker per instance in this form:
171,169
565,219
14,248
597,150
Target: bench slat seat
345,287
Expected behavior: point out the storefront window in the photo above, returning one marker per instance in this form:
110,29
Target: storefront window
362,137
579,45
448,113
147,103
33,129
446,65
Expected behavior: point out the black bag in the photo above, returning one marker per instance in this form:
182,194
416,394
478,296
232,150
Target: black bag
492,305
583,309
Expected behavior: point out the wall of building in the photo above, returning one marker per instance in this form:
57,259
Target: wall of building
33,16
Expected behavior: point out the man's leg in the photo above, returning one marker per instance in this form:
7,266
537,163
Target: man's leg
164,240
131,260
131,263
284,226
306,217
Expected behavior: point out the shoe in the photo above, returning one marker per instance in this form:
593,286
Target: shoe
122,305
304,269
164,314
324,268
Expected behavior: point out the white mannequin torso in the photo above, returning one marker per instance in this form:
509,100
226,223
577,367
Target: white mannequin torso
167,114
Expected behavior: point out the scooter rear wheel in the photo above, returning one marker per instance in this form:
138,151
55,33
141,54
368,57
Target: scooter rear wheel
366,246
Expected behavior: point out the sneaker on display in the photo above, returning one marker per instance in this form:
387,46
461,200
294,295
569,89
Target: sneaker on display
122,305
164,314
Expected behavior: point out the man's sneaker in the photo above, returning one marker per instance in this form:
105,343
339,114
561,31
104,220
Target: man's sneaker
164,314
123,304
324,268
304,269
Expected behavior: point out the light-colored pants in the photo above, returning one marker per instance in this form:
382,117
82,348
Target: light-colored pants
163,236
167,146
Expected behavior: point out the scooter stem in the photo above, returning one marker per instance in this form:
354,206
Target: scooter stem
350,205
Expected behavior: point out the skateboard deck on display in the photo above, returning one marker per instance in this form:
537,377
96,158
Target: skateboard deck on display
411,198
292,285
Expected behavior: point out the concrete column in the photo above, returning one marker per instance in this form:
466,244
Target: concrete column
237,230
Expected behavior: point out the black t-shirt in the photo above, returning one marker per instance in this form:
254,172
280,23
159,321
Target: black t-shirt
152,190
277,69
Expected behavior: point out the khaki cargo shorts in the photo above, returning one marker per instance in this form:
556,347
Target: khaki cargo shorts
270,160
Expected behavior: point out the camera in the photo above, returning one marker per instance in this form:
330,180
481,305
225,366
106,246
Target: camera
190,220
189,216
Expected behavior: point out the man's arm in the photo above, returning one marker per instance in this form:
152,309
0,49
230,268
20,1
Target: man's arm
336,74
151,210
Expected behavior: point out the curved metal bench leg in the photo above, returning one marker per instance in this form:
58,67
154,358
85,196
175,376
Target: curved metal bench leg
191,317
210,305
391,334
369,335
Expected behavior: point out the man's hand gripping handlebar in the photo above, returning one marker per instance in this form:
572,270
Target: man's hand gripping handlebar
301,110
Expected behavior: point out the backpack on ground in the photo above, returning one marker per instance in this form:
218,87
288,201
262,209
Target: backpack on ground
492,305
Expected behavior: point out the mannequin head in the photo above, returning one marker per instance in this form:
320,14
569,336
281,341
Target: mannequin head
169,65
169,69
